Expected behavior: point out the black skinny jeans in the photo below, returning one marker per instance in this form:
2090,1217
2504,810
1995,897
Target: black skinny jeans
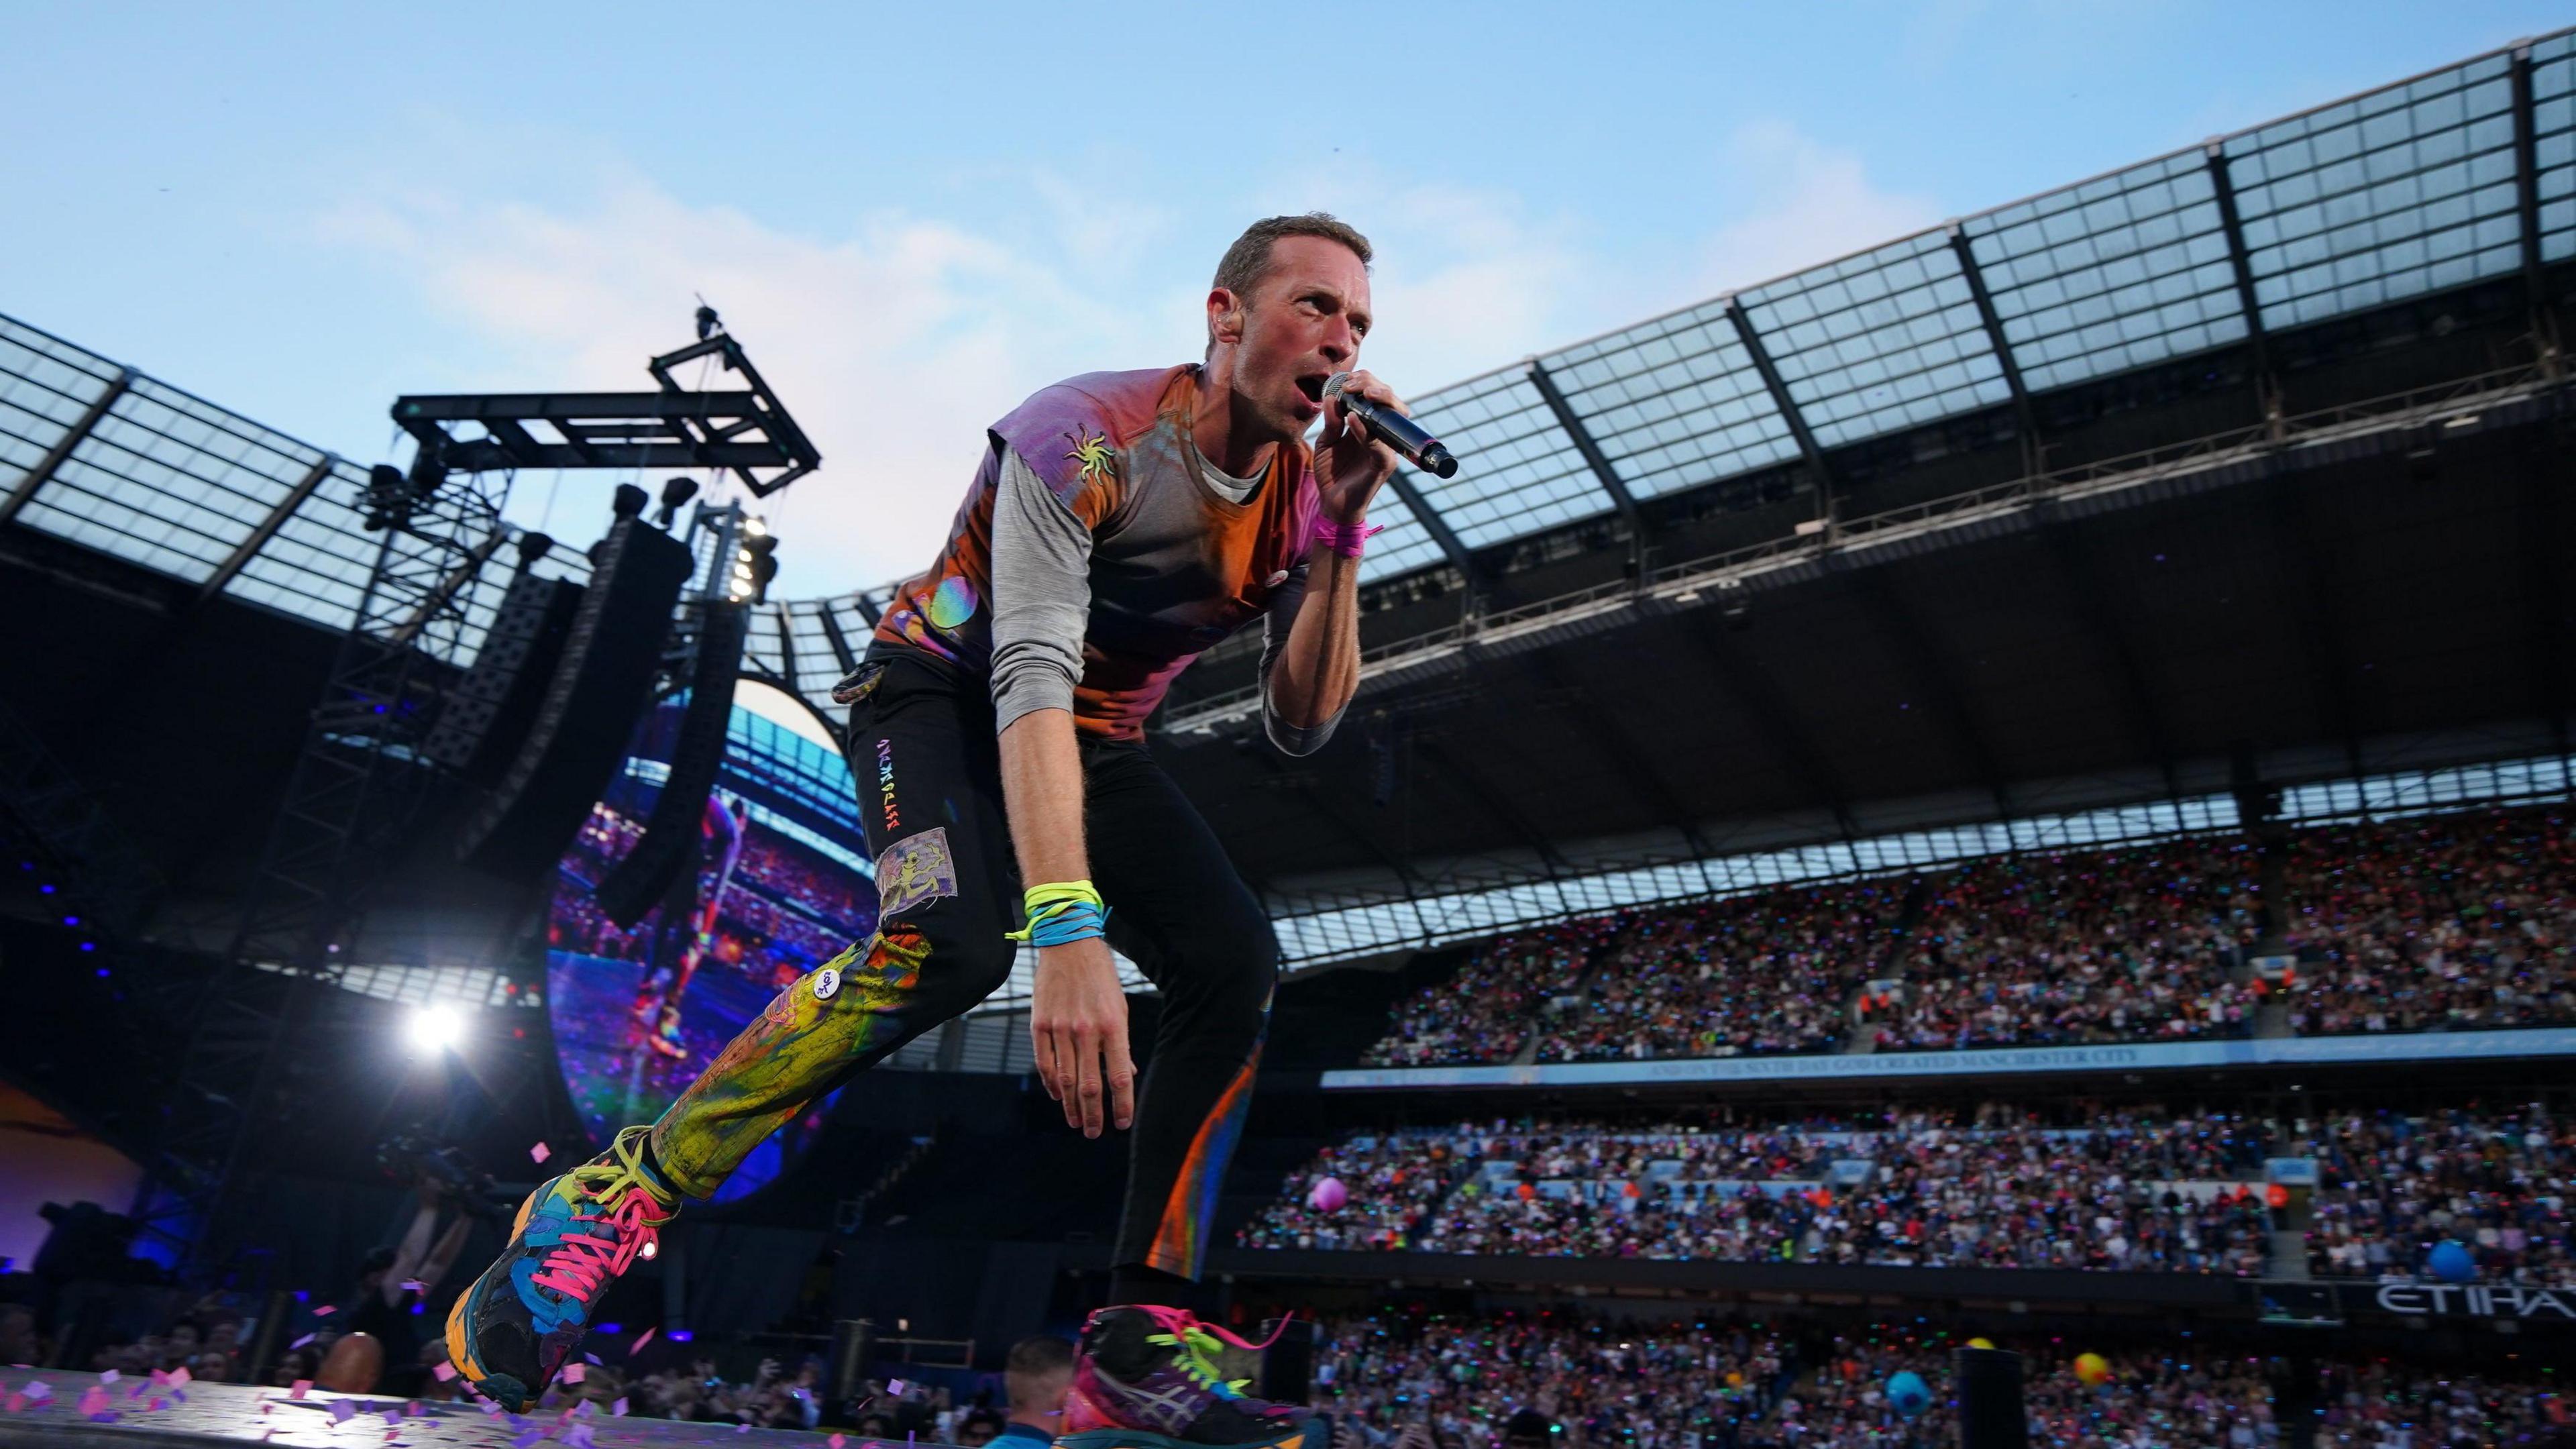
923,747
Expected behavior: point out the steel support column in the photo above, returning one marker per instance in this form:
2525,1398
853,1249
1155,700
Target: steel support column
2025,420
1594,459
1435,525
1771,382
249,548
46,466
2240,262
787,649
2526,177
842,654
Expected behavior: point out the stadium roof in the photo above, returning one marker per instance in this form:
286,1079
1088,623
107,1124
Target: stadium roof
2108,300
2413,188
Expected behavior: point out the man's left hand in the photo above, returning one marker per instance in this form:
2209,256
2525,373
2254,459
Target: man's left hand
1350,466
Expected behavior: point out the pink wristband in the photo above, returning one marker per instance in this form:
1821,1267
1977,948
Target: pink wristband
1346,539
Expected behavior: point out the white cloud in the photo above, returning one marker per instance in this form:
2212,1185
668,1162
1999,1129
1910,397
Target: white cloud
894,346
1805,203
897,343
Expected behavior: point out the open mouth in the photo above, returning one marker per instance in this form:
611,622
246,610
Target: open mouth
1312,385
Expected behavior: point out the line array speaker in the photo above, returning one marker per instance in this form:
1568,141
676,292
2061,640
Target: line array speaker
488,715
599,688
671,832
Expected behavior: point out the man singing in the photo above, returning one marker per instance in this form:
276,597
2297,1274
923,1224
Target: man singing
1122,523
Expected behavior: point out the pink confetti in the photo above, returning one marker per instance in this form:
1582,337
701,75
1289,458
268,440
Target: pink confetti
540,1152
181,1376
414,1285
618,1408
268,1433
836,1441
742,1428
573,1372
17,1402
159,1377
301,1385
158,1404
40,1392
109,1377
443,1372
136,1392
325,1311
94,1400
343,1410
641,1339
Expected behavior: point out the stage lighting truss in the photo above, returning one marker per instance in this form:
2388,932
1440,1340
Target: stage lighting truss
744,431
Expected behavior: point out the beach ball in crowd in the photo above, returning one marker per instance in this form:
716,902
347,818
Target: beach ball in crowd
1981,1343
1328,1195
1907,1391
2450,1261
2092,1368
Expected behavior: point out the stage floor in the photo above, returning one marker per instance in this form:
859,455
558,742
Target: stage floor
212,1414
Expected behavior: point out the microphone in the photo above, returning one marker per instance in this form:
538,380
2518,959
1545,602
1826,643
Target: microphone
1395,430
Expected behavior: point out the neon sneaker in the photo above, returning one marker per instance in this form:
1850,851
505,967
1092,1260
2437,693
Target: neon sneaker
509,1332
1146,1377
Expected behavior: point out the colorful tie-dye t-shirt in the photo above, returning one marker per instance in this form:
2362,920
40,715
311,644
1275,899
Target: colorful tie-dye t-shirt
1175,566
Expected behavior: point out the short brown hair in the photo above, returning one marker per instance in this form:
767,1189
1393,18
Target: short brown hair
1248,260
1032,1362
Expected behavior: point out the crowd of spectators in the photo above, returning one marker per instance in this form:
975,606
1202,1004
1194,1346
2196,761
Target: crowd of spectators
2451,922
2098,946
2128,1191
2391,1187
1488,1009
2445,923
1455,1381
1768,973
1451,1381
1391,1182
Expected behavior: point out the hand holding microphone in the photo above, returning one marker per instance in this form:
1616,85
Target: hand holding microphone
1392,428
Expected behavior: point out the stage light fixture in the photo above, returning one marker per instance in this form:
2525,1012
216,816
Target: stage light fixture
534,546
434,1029
675,491
755,528
628,501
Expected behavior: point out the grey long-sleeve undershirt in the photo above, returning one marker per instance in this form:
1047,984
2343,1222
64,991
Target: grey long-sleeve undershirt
1041,595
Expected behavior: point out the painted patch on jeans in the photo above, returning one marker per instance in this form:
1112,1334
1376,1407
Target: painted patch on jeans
914,869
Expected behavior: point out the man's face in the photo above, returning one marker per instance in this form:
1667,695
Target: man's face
1303,322
975,1435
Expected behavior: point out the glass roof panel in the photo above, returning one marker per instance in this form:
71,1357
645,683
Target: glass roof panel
1885,340
2116,273
169,482
1673,403
316,564
1520,472
2390,195
46,384
2553,100
1405,545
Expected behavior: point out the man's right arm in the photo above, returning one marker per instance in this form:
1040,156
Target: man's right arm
1041,593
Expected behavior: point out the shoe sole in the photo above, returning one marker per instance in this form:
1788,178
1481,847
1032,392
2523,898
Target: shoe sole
1306,1435
502,1389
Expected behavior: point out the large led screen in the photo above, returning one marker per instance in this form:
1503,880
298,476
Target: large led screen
781,886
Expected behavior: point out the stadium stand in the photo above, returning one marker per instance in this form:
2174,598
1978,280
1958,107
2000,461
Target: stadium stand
2455,922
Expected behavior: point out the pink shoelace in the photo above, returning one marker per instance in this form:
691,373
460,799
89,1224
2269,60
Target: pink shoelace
585,1262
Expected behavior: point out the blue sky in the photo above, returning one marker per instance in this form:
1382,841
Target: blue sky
915,215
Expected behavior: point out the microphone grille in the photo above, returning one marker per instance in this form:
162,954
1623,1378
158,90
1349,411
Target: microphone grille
1333,385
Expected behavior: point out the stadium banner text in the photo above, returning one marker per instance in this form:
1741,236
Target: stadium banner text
2138,1056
